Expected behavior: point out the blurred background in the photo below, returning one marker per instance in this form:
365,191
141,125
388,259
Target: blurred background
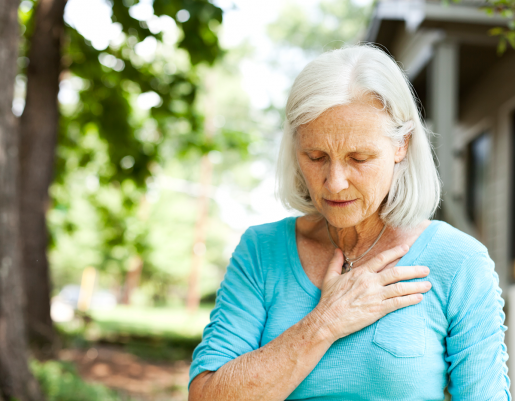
134,187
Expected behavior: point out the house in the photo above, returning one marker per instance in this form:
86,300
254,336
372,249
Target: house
467,93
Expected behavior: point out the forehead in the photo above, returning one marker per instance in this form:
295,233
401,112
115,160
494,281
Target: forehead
358,123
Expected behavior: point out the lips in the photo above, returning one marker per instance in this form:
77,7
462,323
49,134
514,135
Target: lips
339,203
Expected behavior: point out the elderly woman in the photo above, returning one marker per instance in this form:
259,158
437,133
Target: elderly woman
363,297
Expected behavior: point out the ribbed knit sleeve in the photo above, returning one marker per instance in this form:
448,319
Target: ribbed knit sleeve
239,315
476,352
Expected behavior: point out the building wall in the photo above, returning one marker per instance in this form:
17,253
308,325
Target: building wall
487,107
486,104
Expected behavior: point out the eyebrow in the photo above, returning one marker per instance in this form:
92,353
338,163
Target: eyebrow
364,151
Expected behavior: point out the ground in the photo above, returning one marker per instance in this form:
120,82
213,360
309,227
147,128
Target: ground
133,377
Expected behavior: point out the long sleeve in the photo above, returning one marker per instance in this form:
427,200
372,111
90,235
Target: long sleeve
238,319
476,352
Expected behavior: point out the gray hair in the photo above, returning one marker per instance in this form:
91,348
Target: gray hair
337,78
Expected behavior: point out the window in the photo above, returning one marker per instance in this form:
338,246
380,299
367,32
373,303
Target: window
477,160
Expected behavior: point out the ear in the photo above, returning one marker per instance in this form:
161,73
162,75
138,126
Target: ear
400,152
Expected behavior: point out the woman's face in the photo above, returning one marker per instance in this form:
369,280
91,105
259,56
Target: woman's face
345,156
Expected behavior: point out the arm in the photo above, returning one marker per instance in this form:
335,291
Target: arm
476,352
269,373
229,364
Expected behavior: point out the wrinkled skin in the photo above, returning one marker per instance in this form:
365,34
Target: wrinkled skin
344,155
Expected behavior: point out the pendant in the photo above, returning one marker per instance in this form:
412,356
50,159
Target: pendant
346,267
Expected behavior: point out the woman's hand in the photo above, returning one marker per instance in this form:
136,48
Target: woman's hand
356,299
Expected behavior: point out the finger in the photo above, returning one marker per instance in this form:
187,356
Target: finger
381,260
404,288
399,273
390,265
392,304
335,265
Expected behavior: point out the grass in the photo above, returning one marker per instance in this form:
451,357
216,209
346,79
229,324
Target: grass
150,333
161,322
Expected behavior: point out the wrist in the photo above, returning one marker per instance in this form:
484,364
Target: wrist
317,324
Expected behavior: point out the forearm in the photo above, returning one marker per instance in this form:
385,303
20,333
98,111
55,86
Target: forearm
271,372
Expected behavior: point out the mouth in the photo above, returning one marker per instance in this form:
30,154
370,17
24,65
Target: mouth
339,203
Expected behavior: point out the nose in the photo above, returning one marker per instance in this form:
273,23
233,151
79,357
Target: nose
336,179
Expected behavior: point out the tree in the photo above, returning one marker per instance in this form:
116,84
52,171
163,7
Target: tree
38,128
16,381
160,226
110,78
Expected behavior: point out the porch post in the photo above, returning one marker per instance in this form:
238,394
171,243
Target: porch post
443,90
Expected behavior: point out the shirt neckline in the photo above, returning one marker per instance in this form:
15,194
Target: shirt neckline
304,281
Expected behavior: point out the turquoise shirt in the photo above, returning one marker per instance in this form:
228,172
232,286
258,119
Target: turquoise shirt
454,337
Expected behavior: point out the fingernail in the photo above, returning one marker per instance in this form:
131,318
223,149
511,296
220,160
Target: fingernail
405,247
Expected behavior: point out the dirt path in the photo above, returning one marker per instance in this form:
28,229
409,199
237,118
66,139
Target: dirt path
133,377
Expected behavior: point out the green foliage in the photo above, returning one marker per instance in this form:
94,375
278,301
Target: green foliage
108,148
115,76
60,382
505,8
199,39
506,36
108,205
106,234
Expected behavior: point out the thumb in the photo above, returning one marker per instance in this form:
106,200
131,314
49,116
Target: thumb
335,265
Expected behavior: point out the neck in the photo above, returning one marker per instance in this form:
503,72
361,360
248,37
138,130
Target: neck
356,240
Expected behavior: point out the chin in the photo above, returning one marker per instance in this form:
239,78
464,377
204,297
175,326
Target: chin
343,219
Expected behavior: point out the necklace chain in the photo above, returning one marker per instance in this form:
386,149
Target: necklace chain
347,265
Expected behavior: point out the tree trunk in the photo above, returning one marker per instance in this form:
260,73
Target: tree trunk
199,237
39,125
16,381
132,279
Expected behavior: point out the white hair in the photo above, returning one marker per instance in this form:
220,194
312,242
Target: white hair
340,77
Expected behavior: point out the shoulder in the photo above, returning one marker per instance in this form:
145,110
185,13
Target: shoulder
269,231
456,259
262,243
453,245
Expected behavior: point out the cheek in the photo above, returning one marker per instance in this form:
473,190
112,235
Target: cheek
311,171
375,180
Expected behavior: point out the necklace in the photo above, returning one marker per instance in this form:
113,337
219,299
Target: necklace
347,264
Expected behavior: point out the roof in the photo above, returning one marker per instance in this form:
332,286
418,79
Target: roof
415,13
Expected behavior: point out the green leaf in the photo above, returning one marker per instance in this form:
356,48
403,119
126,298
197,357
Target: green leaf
496,31
501,47
511,39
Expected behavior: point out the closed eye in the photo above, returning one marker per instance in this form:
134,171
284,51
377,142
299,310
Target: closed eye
359,160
